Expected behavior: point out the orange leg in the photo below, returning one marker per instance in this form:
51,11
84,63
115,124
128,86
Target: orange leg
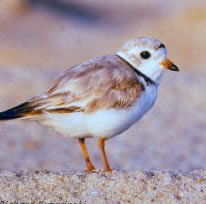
101,142
89,164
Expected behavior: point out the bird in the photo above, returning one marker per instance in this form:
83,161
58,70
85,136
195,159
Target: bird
101,97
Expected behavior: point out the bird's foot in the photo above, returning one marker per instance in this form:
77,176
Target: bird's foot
108,170
90,168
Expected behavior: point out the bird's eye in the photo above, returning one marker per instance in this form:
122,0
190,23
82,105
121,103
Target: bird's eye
145,55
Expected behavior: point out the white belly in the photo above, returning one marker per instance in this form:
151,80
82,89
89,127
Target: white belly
103,123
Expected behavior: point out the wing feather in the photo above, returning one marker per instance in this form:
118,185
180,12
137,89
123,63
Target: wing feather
102,83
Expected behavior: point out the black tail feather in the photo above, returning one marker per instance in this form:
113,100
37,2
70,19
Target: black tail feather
16,112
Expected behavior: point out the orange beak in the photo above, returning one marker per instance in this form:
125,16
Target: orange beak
167,64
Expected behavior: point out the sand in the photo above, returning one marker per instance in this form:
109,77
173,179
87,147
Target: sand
38,44
100,187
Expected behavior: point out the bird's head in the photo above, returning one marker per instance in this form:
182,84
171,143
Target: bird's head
147,55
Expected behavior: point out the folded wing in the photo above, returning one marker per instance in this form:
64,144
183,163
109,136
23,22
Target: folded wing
102,83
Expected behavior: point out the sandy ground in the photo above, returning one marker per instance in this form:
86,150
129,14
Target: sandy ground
139,187
37,44
40,39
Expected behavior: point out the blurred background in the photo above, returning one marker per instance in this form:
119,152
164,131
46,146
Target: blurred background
41,38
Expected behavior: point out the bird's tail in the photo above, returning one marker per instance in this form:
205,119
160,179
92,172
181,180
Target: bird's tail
19,111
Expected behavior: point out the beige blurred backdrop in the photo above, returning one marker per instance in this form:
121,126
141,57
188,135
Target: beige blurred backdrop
41,38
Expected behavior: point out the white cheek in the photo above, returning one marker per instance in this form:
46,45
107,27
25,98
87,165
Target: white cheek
151,69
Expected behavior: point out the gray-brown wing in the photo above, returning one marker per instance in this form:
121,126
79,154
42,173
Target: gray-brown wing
101,83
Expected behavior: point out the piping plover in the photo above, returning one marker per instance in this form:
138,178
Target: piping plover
102,97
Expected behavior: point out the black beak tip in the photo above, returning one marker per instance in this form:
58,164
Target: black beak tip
174,68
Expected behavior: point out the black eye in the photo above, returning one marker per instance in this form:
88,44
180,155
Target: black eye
145,55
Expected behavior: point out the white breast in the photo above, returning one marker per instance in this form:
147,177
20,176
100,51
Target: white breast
109,123
103,123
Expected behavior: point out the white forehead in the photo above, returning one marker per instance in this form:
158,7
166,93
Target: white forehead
143,43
